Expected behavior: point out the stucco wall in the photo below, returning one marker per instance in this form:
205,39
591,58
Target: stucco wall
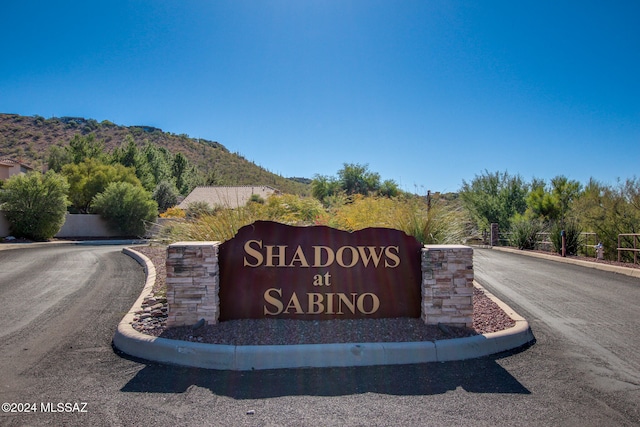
87,225
4,225
76,225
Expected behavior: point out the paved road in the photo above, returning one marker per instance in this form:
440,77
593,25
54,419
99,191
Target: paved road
587,318
61,352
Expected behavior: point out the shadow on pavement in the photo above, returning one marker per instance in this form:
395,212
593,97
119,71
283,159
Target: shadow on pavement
483,375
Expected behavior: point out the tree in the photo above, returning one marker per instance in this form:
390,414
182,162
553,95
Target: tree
34,204
324,186
126,207
180,168
81,148
128,154
609,211
541,203
352,179
494,198
166,195
186,175
564,191
388,188
357,179
159,161
92,177
57,158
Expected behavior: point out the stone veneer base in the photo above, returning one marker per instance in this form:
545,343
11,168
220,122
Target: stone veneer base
193,284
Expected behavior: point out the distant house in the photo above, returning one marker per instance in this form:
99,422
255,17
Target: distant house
10,167
227,196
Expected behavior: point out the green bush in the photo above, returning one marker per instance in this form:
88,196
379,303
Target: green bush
573,241
126,207
166,195
198,209
290,209
609,211
525,232
92,177
35,204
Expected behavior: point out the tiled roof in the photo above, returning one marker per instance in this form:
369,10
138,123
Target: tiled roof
8,162
227,196
4,161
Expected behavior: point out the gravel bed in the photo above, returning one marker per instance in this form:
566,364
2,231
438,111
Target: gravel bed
151,320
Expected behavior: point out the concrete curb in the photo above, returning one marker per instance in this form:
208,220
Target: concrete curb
244,358
9,246
627,271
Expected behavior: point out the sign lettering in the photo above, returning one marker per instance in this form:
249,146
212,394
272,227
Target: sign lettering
272,270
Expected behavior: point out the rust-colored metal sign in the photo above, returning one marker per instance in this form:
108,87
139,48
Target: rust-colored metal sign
272,270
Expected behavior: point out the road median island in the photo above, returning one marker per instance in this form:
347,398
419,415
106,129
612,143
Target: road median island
250,357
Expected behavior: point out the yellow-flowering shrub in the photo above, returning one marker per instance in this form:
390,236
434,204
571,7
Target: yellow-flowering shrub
174,212
438,224
364,212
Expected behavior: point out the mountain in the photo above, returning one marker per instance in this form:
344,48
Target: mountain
28,139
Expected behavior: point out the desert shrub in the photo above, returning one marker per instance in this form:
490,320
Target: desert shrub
363,212
439,224
166,195
126,207
494,198
609,211
173,212
573,241
290,209
219,225
35,204
206,224
197,209
525,232
435,225
255,198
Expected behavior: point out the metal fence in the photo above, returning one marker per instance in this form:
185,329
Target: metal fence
635,249
627,242
588,242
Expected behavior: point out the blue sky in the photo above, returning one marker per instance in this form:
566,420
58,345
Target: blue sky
427,93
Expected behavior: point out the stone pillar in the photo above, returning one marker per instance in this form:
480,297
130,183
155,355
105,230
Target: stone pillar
447,285
193,283
495,235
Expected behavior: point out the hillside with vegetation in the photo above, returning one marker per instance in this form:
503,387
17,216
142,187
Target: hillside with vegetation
30,139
